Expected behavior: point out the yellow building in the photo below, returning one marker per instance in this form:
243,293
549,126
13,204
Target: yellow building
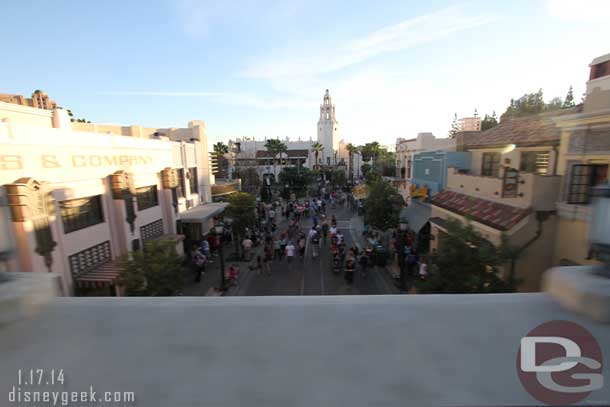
82,195
583,162
39,100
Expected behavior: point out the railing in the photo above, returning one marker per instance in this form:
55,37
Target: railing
528,189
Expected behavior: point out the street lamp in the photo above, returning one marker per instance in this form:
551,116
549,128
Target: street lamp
599,233
219,229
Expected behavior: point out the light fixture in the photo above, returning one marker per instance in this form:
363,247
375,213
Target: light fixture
508,148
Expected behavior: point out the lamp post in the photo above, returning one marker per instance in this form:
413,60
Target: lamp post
219,229
599,233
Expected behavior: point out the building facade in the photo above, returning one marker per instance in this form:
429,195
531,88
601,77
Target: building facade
39,100
469,123
328,131
405,151
584,158
81,198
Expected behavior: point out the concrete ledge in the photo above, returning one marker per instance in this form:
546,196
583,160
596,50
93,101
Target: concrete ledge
580,289
23,295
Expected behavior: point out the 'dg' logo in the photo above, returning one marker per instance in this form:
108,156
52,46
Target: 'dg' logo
560,363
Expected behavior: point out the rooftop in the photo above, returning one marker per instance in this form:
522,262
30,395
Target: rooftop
496,215
525,131
420,350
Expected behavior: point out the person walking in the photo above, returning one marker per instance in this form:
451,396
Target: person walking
247,245
277,254
301,244
290,251
283,244
267,259
198,261
324,230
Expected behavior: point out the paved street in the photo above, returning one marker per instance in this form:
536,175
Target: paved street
314,276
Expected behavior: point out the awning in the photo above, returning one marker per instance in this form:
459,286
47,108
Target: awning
104,275
202,213
416,215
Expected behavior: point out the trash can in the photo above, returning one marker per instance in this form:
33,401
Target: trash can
381,255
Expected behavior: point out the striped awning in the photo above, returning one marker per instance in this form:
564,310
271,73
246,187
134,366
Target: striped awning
104,275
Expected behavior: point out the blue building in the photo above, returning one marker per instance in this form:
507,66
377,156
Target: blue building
430,168
429,177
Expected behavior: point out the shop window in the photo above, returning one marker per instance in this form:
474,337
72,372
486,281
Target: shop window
583,177
181,186
491,165
147,197
81,213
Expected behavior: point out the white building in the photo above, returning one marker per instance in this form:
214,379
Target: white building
328,131
405,150
82,195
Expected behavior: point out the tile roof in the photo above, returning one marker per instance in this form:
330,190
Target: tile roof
525,131
291,153
498,216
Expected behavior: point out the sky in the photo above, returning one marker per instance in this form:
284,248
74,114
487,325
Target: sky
259,68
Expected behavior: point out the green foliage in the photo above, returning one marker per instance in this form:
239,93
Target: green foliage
385,164
155,272
297,179
365,169
317,148
382,206
351,150
220,148
489,121
338,178
455,129
250,181
533,103
370,151
467,263
569,100
241,210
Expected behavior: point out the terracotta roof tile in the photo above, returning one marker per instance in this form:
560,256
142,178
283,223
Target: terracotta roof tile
291,153
497,215
525,131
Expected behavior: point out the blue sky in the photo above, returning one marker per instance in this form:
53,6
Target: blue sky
259,68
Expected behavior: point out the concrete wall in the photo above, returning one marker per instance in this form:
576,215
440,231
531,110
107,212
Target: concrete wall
25,115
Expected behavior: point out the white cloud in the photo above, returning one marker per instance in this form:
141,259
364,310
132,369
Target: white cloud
581,10
406,34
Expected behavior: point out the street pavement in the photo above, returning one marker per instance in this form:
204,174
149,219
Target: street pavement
314,276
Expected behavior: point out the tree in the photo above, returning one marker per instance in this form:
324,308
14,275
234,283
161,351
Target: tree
466,263
455,128
241,211
569,100
297,180
275,147
220,149
351,151
338,178
383,205
317,148
386,163
489,122
370,151
156,271
250,180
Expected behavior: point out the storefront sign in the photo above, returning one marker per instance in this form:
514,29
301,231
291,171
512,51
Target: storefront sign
18,162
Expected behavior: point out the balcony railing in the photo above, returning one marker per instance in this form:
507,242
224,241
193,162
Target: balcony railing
523,190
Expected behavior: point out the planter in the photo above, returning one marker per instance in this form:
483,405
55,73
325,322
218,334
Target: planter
580,289
23,295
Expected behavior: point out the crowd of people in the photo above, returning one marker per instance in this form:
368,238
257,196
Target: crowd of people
281,233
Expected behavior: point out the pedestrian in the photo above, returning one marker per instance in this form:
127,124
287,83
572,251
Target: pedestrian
197,263
277,255
301,244
283,244
247,245
233,274
324,230
259,264
290,251
267,259
423,269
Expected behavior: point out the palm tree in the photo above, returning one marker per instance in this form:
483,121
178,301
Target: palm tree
275,147
220,148
317,148
351,150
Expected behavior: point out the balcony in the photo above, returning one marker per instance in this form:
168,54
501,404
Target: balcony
539,192
408,350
